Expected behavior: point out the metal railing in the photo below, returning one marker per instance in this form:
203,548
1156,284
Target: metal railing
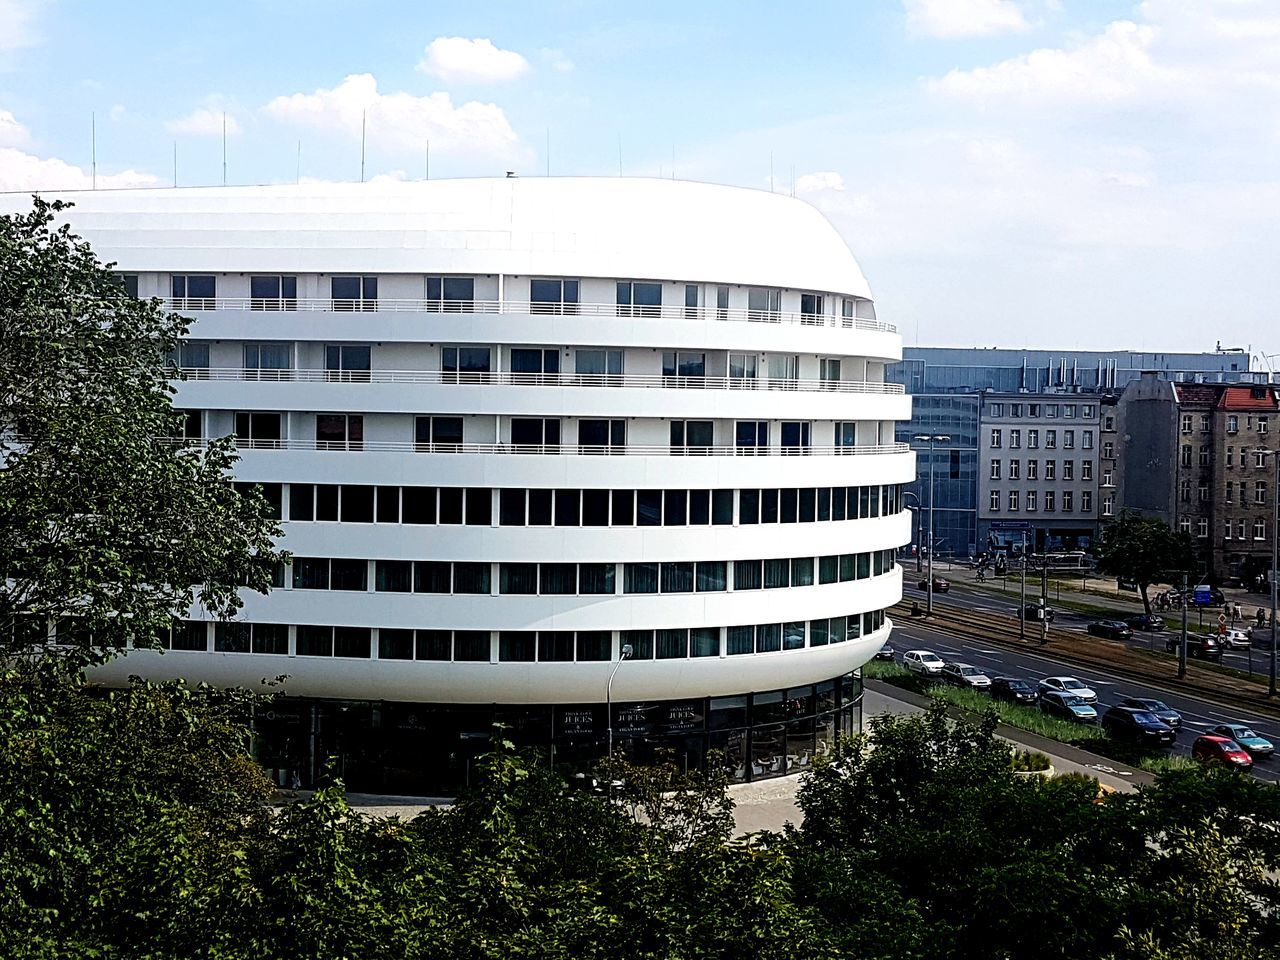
631,380
521,449
418,305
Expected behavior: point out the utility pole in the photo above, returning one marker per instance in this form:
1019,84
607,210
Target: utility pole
931,438
1022,611
1182,647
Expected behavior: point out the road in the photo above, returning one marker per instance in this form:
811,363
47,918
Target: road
1197,715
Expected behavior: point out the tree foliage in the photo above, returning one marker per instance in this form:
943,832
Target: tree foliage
105,523
1145,550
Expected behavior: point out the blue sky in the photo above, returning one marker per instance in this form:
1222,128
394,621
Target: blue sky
1045,173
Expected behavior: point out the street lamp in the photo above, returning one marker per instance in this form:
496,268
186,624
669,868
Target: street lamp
931,439
916,514
1275,555
608,696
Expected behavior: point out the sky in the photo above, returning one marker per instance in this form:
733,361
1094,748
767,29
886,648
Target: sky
1073,174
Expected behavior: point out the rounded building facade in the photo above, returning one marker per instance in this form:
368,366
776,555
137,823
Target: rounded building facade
540,447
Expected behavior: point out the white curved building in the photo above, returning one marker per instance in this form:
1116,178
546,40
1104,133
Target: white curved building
517,429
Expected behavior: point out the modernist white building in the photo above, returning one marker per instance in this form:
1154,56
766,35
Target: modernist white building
519,430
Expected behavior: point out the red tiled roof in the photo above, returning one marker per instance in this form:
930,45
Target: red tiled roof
1243,398
1196,392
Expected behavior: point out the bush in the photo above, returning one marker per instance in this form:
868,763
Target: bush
1028,761
897,675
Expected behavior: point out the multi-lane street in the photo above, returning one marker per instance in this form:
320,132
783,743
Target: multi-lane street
1198,715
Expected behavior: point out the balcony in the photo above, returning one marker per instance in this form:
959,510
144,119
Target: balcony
634,381
629,311
540,449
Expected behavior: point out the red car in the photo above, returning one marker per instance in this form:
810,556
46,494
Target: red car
1214,749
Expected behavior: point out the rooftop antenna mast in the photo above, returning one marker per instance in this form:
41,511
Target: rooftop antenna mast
224,148
364,116
93,149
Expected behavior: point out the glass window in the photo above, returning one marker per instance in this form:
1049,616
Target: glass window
596,578
768,637
352,642
598,362
451,294
231,637
763,303
639,299
748,574
740,640
535,361
595,645
640,578
777,573
829,569
315,641
464,364
672,644
395,644
517,646
640,641
194,292
711,576
555,645
271,638
649,508
624,507
354,293
418,504
802,572
818,633
471,645
471,577
704,642
520,578
437,645
310,573
793,635
557,578
393,576
677,577
553,296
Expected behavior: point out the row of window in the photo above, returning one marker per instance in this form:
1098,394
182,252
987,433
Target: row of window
1029,500
1050,411
1241,528
519,646
1050,439
585,579
1050,469
1186,452
478,506
1259,423
1202,491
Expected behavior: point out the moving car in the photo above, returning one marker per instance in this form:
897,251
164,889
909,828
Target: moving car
1067,685
1237,639
1200,647
965,675
1033,611
1206,596
922,661
939,585
1138,726
1111,629
1161,709
1066,706
885,653
1013,690
1259,748
1211,748
1146,621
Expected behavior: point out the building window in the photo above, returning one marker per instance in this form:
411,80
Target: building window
354,293
1204,423
995,439
1262,424
1068,439
1051,411
1204,455
1108,478
607,436
750,434
1014,469
1031,500
997,409
1015,409
1231,456
1109,450
1086,501
1240,534
451,294
273,293
553,296
464,364
692,365
1108,506
1184,455
692,435
1033,409
1184,491
994,501
995,470
598,363
536,432
1259,529
1068,469
810,307
796,435
1033,469
722,303
259,430
264,359
1233,424
1260,491
1230,486
764,303
347,362
1051,469
1051,439
1049,501
1260,458
1202,491
192,292
1202,527
1033,439
1244,487
1068,501
692,296
1086,469
1108,423
1184,526
639,299
1186,423
1013,499
1015,439
437,433
538,363
1226,530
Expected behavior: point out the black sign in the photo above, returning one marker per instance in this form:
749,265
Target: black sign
681,716
634,719
578,722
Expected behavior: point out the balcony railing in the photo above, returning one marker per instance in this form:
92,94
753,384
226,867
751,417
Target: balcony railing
520,449
631,380
630,311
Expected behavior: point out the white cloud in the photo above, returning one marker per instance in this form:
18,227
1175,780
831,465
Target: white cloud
400,121
459,60
17,26
204,123
22,171
822,180
556,59
963,18
12,133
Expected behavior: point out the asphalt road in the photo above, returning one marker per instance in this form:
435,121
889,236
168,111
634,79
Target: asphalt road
1197,715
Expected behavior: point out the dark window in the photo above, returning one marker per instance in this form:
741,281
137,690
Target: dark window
231,637
777,573
649,508
787,499
747,575
704,642
672,644
640,641
357,504
436,644
464,364
721,507
432,576
793,635
828,569
740,640
271,638
838,495
479,507
768,638
315,641
768,506
640,578
518,578
537,361
639,299
749,506
802,572
388,505
349,574
818,633
395,644
511,508
393,576
471,577
339,431
557,578
605,434
594,578
471,645
553,296
624,508
751,433
712,575
795,435
847,561
680,364
555,645
451,505
354,293
194,292
444,434
347,361
351,642
258,430
808,504
676,509
595,645
540,508
273,293
692,436
451,294
517,645
189,635
535,432
568,508
677,577
595,508
823,496
419,504
864,566
310,573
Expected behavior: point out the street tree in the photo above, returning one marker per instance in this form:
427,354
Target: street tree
110,524
1144,550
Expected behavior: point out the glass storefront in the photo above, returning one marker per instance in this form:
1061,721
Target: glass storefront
431,749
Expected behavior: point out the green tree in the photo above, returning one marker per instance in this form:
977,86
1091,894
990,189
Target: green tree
1144,550
106,524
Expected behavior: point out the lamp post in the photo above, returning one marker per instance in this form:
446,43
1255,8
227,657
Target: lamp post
1275,556
931,438
916,514
608,697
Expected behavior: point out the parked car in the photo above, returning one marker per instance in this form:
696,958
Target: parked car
1212,748
1013,690
1146,621
1206,596
965,675
1259,748
1066,706
1067,685
1033,611
1161,709
1138,726
939,585
922,661
1200,647
885,653
1111,629
1237,639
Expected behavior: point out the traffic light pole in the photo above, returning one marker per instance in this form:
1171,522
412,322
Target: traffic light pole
1182,647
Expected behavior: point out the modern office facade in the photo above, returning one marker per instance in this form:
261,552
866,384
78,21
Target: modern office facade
525,436
952,390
